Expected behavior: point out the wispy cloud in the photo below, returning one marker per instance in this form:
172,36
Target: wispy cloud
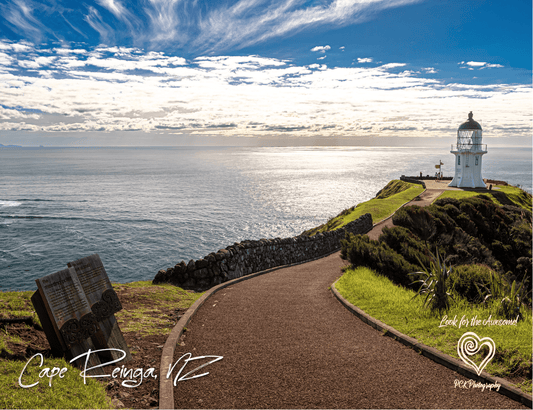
115,7
96,21
248,22
170,21
20,14
492,66
207,27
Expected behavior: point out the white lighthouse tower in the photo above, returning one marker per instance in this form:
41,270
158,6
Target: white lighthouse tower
468,153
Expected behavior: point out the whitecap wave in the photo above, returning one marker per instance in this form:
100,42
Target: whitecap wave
5,204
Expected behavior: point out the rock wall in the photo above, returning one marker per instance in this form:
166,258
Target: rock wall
414,180
248,257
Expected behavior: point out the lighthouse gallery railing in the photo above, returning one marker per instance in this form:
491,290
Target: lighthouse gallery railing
470,147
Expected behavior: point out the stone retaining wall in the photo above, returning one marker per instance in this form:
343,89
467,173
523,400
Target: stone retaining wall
248,257
413,180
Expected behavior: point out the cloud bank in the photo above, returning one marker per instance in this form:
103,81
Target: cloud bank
118,89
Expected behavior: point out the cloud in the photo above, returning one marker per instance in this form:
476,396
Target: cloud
206,27
169,21
493,66
120,12
479,65
16,47
248,22
364,60
392,65
475,64
6,61
114,7
321,49
67,51
20,14
115,89
97,23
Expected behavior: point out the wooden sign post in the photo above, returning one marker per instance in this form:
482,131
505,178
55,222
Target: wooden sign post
76,307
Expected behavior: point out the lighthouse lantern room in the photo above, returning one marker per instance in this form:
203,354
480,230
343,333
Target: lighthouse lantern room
468,153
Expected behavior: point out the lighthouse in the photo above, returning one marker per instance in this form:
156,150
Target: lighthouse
468,153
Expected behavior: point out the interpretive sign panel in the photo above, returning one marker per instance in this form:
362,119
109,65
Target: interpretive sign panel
66,316
103,301
68,307
76,307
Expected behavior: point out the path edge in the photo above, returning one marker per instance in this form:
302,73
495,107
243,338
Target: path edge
431,353
166,388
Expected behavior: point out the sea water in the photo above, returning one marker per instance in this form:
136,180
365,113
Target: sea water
145,209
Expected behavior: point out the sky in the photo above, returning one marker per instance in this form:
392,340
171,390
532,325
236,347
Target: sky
259,72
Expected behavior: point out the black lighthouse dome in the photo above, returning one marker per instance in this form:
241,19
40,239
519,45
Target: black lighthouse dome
470,124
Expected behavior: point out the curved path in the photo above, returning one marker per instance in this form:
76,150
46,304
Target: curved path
424,199
287,342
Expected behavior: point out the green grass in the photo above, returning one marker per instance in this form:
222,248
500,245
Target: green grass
17,304
151,315
395,194
156,303
395,306
501,195
68,392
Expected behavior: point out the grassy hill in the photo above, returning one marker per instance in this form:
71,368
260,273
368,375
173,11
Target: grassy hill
390,198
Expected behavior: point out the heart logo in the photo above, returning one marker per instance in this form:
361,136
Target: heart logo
470,344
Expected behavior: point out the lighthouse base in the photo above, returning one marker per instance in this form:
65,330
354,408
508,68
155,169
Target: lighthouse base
468,169
466,183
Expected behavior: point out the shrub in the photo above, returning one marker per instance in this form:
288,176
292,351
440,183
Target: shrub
418,220
361,251
405,243
444,223
357,249
465,277
471,231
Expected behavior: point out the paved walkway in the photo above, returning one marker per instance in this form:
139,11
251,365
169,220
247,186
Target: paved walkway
287,342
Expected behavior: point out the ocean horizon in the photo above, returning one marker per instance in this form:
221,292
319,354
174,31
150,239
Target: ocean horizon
147,208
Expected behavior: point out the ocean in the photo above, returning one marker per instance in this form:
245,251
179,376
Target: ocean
145,209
